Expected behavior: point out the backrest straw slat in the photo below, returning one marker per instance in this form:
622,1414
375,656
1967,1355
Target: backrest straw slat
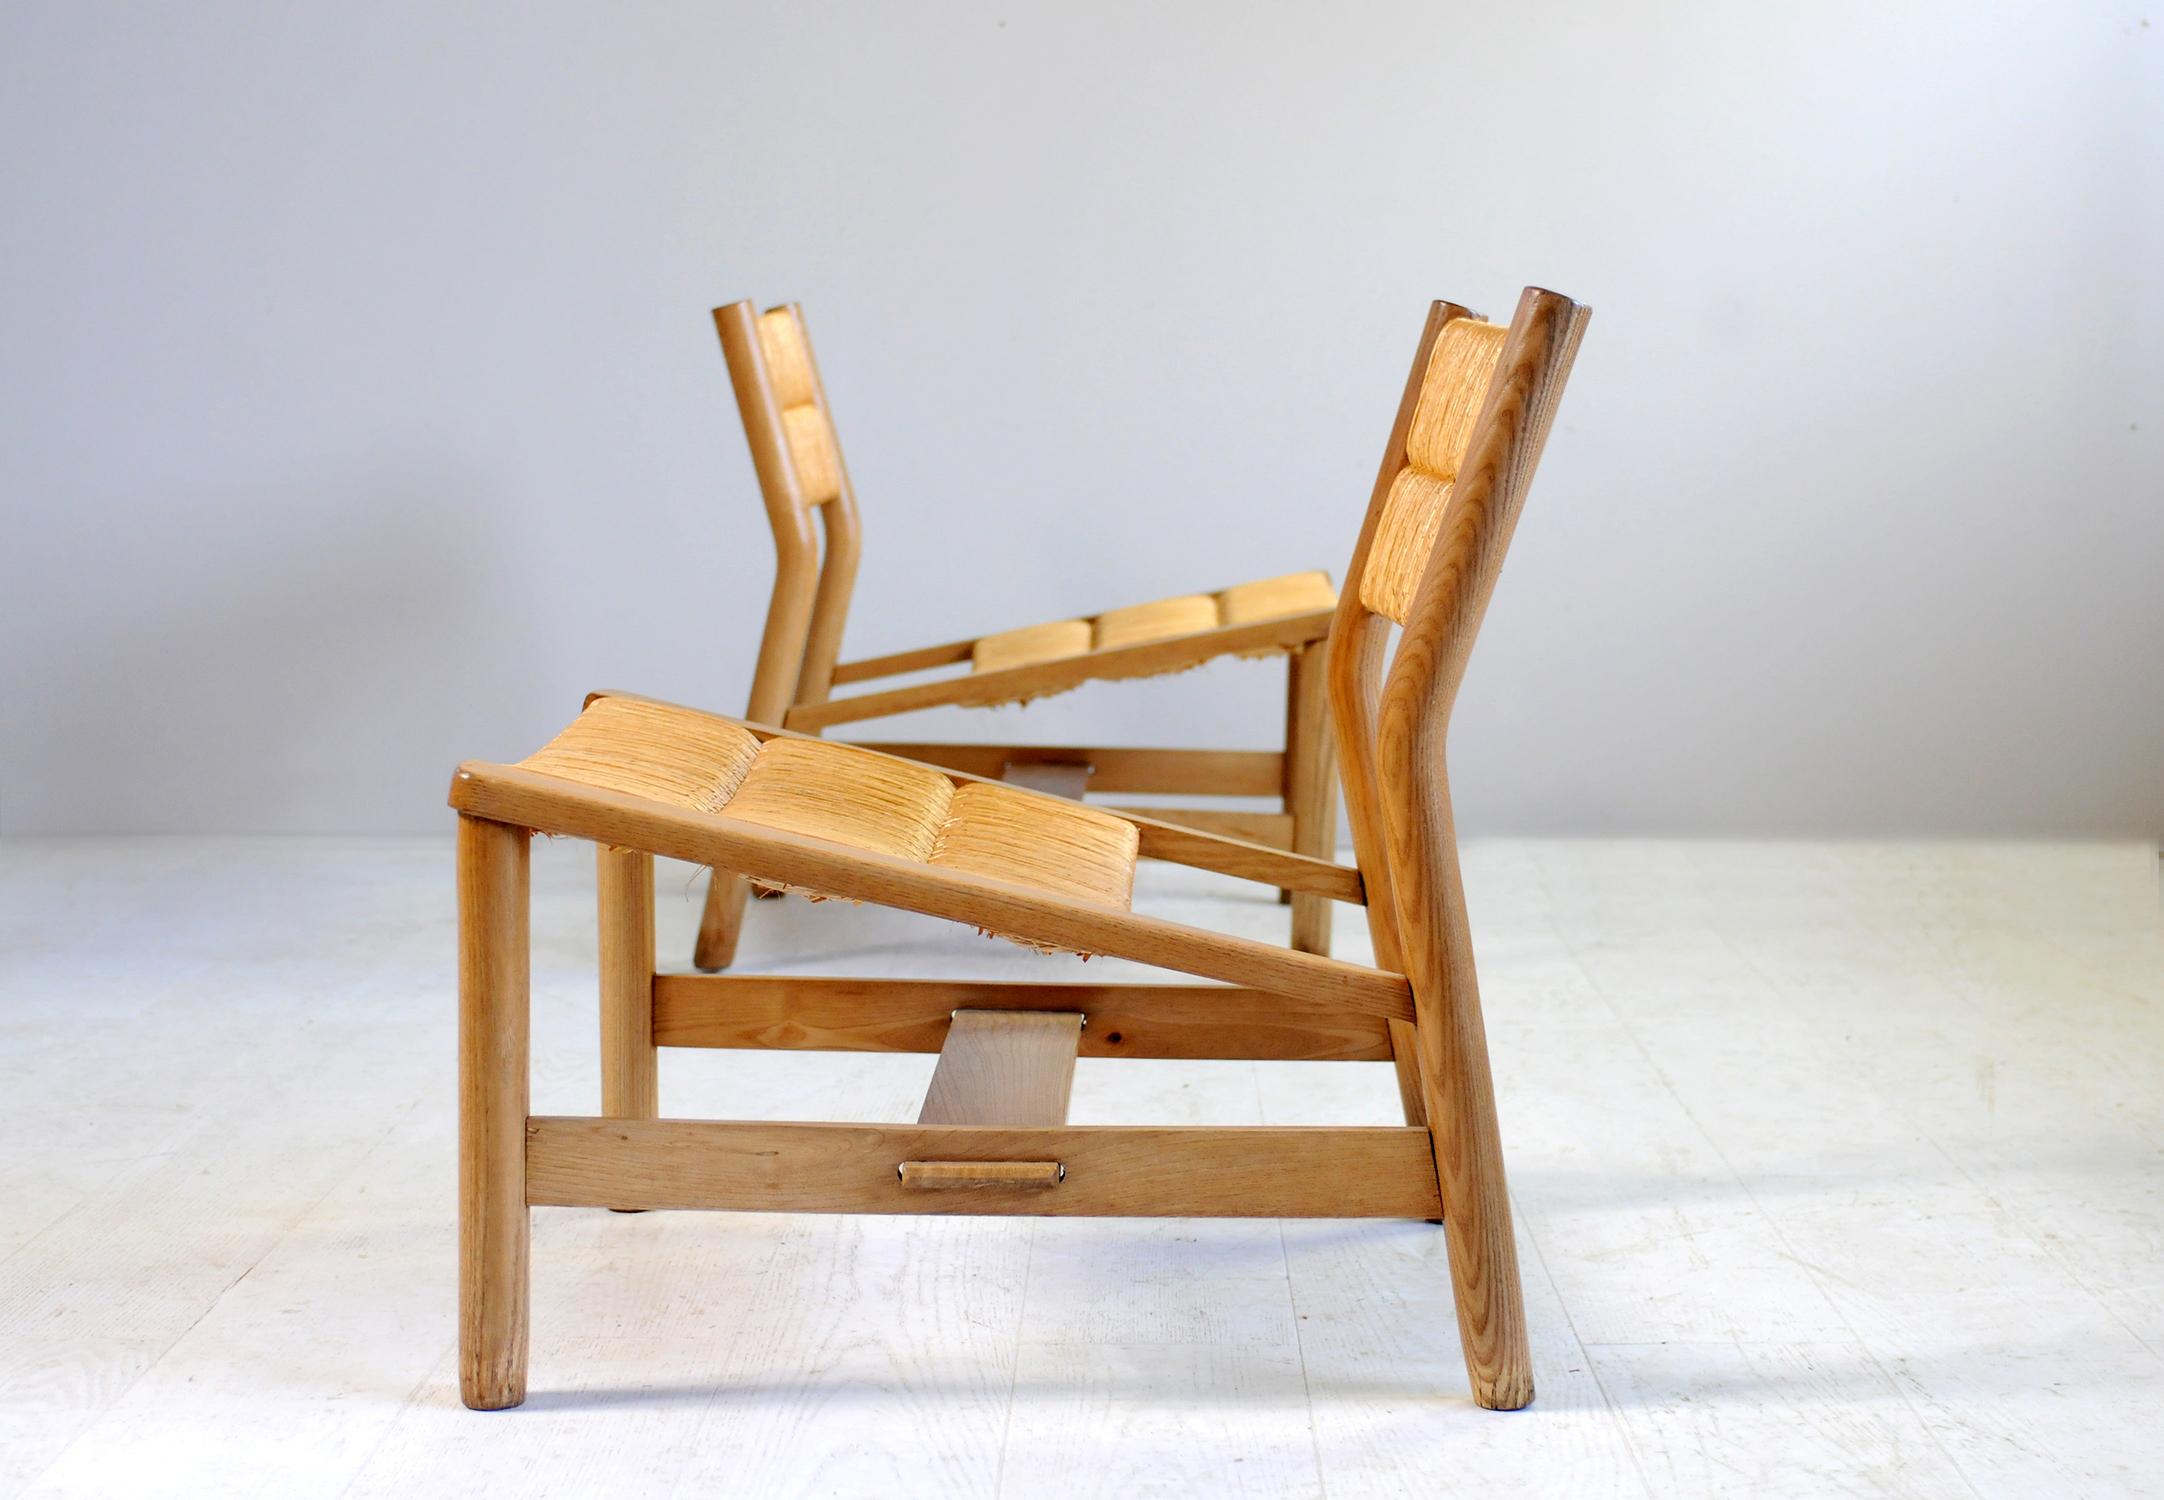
801,475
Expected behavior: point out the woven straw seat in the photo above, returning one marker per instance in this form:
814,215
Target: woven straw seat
1164,620
859,798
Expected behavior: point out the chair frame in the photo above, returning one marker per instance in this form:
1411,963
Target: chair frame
799,666
1419,1004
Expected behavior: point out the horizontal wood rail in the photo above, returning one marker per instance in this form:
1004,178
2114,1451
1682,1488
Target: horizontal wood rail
1178,1171
807,1013
1009,684
1271,830
1200,849
896,663
1187,773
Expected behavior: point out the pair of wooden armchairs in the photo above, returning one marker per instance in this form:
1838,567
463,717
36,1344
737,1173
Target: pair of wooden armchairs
765,803
809,498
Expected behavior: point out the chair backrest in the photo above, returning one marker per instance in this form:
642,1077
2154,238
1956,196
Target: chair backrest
1476,410
802,477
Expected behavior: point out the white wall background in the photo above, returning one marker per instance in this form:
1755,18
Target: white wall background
360,408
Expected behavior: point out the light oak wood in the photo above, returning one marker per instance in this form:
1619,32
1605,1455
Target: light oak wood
1405,1061
1158,839
624,886
1271,830
941,1176
1041,679
1392,731
493,987
1221,773
1004,1067
899,663
1310,785
812,587
808,1013
508,794
668,781
1179,1171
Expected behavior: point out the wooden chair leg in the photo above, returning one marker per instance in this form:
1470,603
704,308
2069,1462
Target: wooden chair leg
624,886
1310,786
721,922
1459,1098
494,994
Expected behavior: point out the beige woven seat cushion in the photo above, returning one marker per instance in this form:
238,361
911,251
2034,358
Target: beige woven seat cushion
845,795
1163,620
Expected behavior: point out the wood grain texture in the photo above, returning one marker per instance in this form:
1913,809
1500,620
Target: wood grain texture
1041,679
1160,839
1271,830
1422,848
1310,789
801,1012
1179,1171
624,892
810,601
510,795
900,663
493,982
1004,1067
1218,773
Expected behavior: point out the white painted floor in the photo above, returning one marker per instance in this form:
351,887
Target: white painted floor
1840,1171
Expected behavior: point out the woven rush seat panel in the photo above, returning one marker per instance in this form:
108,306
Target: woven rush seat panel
1165,619
810,436
845,795
1452,391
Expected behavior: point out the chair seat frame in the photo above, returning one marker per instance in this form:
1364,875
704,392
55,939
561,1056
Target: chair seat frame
1418,1005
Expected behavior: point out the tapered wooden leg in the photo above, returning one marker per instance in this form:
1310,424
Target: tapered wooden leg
721,922
493,1008
1459,1096
1310,786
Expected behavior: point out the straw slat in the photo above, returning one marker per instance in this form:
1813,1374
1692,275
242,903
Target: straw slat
1461,367
1041,841
651,750
1189,614
1411,518
857,797
1452,393
1030,645
1274,598
812,451
1160,620
788,361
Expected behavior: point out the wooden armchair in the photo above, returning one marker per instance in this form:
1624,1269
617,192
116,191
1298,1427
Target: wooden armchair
641,778
802,476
